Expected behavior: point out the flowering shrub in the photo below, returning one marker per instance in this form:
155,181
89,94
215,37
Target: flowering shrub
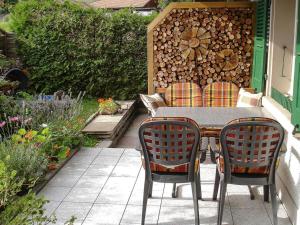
46,109
108,106
36,133
65,136
31,137
28,161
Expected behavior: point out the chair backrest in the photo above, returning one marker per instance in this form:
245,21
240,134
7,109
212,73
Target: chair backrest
251,143
220,94
169,141
186,94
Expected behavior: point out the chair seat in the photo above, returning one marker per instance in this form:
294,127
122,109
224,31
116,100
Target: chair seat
210,132
176,169
244,170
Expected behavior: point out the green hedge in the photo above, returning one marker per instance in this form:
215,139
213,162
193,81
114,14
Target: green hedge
66,46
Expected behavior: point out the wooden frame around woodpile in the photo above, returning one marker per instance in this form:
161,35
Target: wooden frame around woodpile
196,5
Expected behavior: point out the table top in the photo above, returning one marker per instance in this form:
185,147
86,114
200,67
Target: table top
212,116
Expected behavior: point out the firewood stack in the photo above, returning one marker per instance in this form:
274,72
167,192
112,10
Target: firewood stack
203,45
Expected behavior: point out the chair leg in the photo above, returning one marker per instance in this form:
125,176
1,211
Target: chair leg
145,199
174,191
274,203
203,149
221,202
252,196
216,186
150,189
195,199
212,147
266,193
203,156
198,183
213,156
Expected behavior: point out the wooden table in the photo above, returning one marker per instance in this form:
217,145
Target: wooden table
216,117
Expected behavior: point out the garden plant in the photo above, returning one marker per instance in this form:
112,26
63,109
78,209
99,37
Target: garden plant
79,54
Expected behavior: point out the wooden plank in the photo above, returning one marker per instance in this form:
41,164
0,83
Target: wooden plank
160,17
111,126
150,60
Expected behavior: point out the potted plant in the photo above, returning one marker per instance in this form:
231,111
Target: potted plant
108,106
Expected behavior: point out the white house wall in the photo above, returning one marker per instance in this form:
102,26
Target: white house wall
282,33
282,44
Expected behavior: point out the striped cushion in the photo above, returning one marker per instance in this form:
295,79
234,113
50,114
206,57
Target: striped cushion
237,169
261,135
220,94
183,168
184,95
156,168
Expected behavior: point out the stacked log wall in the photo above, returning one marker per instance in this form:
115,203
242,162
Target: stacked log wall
201,44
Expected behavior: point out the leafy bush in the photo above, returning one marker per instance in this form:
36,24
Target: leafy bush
9,184
29,210
6,63
164,3
66,47
8,106
28,162
5,5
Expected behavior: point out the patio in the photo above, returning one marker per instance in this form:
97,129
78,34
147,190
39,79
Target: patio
105,186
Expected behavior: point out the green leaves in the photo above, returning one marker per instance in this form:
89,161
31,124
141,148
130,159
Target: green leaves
9,184
26,210
69,47
28,161
22,131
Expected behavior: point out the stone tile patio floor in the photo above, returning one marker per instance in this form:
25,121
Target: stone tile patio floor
105,186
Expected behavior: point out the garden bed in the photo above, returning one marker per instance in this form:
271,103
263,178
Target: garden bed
38,135
51,173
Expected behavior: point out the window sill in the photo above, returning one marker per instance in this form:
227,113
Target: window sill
282,115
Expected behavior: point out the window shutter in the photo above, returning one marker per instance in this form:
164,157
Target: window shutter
296,92
260,42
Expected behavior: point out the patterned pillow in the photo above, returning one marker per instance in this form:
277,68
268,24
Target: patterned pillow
152,102
186,94
220,94
247,99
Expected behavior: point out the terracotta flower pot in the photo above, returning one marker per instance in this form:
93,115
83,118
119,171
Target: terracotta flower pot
52,166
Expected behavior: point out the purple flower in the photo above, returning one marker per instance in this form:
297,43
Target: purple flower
13,119
2,124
